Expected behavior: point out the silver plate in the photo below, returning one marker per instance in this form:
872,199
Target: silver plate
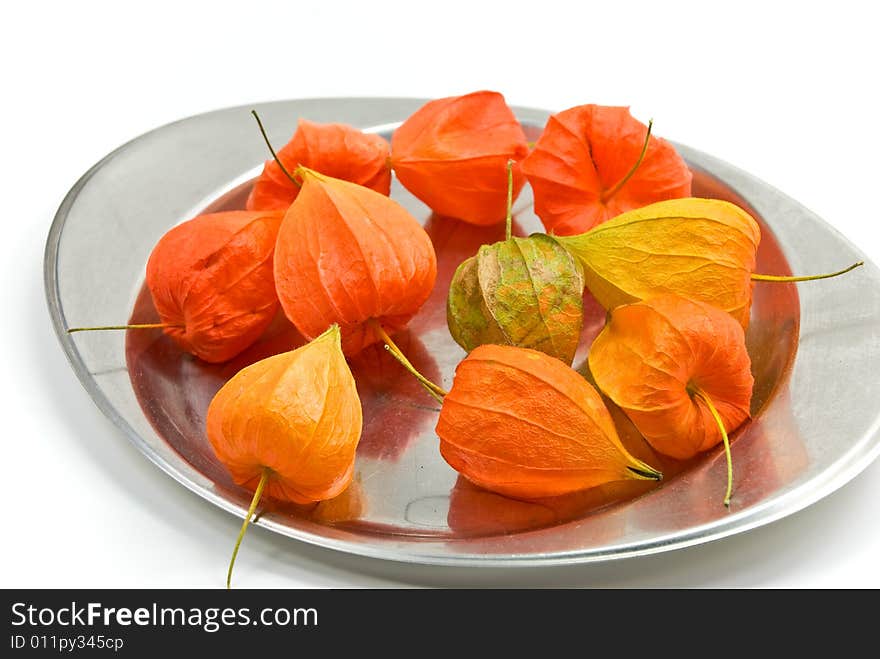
816,355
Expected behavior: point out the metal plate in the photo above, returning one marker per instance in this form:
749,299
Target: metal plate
816,409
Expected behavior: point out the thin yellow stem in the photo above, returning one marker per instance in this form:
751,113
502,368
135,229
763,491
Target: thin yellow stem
257,494
434,390
509,217
807,277
120,327
429,386
272,151
706,399
614,190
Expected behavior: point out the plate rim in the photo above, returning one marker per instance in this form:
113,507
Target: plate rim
845,468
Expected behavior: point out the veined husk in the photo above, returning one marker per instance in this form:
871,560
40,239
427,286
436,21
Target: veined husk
211,281
336,150
581,157
702,249
296,415
452,153
525,425
525,292
350,255
655,357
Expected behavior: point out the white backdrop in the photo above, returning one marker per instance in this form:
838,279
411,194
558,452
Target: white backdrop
788,93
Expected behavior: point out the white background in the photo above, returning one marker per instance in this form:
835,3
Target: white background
783,90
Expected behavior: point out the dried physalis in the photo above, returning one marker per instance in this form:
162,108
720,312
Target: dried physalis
703,249
680,371
351,256
593,162
287,427
336,150
452,154
525,425
525,292
212,284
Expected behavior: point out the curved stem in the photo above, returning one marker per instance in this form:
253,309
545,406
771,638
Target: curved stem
508,219
616,188
264,478
756,277
272,151
434,390
121,327
706,399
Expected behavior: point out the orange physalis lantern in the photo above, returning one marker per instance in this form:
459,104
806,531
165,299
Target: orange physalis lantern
296,414
680,371
349,255
211,281
592,162
336,150
523,424
452,154
288,426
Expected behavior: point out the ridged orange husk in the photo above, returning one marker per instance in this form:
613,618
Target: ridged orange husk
336,150
296,414
452,154
211,281
346,255
521,423
581,156
652,358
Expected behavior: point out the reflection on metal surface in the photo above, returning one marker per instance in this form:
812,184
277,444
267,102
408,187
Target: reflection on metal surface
396,408
815,413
